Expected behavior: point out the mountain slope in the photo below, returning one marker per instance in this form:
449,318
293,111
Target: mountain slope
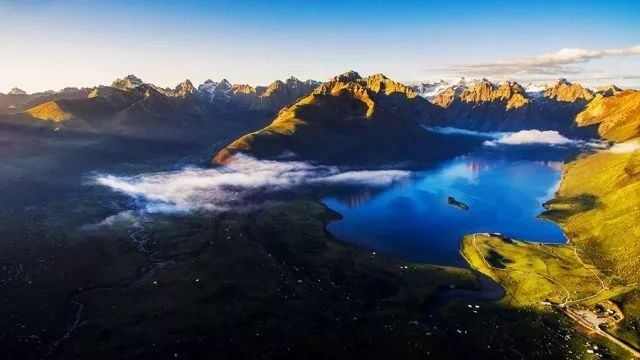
51,111
598,203
17,100
618,116
350,119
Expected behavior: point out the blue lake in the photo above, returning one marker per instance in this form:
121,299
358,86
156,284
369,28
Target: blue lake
413,220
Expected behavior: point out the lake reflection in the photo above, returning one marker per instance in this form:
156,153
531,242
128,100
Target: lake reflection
413,220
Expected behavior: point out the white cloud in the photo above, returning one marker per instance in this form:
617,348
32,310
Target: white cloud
625,147
562,62
125,218
364,177
447,130
231,186
550,137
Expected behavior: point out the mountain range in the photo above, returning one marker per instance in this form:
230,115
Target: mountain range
509,106
334,121
132,107
351,119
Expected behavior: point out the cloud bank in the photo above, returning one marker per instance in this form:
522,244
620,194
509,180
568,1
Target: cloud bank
232,186
626,147
560,63
447,130
549,137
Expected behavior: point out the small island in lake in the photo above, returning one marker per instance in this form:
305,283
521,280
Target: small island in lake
452,201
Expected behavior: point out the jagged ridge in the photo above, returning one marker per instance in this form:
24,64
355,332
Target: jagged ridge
348,119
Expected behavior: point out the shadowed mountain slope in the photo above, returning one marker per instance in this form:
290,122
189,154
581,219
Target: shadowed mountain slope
350,119
618,116
485,106
131,107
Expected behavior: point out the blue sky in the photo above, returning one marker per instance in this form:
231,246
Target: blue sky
56,43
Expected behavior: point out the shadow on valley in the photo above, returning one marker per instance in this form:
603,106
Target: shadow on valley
273,284
86,274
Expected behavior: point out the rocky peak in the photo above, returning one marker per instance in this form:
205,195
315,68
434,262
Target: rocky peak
478,92
68,90
535,89
430,89
274,87
565,91
293,82
127,83
608,90
312,83
380,83
208,86
224,86
185,88
445,97
512,94
348,76
352,82
364,89
17,91
508,89
243,89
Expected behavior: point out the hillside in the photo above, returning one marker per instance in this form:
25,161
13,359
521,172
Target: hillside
598,206
618,116
351,119
598,202
51,111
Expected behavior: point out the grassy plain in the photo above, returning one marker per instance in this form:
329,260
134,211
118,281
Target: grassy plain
533,273
598,207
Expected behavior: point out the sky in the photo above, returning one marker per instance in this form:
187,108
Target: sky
51,44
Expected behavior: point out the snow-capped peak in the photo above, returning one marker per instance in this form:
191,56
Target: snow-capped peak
430,89
212,90
534,89
208,86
